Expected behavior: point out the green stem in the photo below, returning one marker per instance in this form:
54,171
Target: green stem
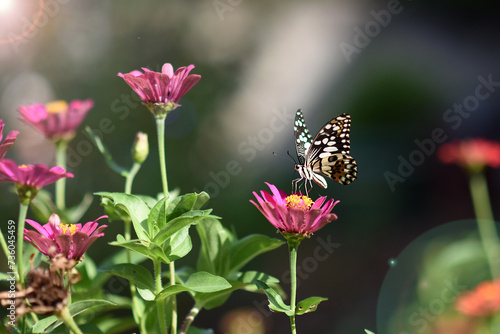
127,228
69,321
485,222
293,248
61,156
160,305
160,129
129,179
190,318
3,244
23,210
173,299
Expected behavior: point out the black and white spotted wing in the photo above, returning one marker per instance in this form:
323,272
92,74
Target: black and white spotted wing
326,154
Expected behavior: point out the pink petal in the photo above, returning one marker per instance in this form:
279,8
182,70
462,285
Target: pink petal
167,69
38,227
64,242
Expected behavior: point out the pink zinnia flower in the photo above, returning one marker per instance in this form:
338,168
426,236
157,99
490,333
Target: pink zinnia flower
70,240
472,154
30,178
9,140
483,301
161,91
57,120
294,215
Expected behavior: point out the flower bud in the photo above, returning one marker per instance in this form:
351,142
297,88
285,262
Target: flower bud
140,150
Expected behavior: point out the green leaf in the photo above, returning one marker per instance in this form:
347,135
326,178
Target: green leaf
245,281
244,250
134,245
202,281
308,305
135,208
50,323
174,225
251,277
158,253
197,282
139,275
171,290
146,294
149,200
157,217
215,299
186,203
368,332
215,243
276,303
120,256
179,245
113,212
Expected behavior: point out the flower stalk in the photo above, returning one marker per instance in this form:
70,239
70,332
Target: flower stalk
160,304
61,159
293,249
486,224
65,316
160,129
129,179
23,210
190,318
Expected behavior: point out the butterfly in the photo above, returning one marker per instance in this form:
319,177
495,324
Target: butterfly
327,154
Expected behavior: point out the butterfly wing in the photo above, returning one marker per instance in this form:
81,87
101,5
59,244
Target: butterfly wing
303,138
330,149
341,168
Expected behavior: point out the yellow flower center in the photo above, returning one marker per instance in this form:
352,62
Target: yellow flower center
68,227
57,107
301,202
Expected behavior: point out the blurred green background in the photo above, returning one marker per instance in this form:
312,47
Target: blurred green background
396,66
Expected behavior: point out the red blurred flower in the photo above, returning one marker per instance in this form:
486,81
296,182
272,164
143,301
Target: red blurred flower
9,140
57,120
294,215
483,301
161,91
70,240
30,178
473,154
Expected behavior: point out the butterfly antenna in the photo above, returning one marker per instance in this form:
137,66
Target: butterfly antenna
280,156
293,159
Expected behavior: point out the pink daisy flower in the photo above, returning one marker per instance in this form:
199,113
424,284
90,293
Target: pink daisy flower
473,154
29,178
70,240
294,215
56,120
161,91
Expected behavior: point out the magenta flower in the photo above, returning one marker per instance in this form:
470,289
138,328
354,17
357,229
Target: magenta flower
9,140
295,215
30,178
70,240
161,91
57,120
473,154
